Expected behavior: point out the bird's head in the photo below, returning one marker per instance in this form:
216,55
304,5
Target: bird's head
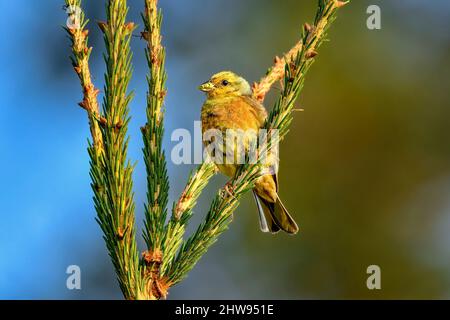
226,83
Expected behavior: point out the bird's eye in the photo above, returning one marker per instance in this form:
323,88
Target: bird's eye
225,82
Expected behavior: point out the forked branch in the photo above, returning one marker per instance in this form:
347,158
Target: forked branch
168,257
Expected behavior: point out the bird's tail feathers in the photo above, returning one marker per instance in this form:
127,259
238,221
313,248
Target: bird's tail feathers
274,217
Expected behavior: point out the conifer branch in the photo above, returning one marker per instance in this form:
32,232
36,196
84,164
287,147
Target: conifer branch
296,68
163,239
116,210
196,183
153,131
274,74
182,211
217,220
317,32
110,171
155,232
81,53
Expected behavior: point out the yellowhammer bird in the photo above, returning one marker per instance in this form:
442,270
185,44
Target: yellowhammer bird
229,105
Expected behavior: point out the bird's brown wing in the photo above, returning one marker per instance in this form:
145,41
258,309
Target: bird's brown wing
257,109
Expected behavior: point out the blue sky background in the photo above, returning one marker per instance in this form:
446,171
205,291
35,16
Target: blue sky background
366,167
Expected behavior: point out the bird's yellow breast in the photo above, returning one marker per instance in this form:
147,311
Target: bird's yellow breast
239,113
235,112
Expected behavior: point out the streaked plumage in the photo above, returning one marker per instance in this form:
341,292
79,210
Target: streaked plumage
229,105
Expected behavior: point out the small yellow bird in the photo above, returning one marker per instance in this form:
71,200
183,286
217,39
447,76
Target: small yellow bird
229,105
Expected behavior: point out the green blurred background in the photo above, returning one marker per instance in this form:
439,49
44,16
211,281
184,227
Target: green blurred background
365,169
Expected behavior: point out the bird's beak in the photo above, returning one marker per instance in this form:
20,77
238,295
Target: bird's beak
206,87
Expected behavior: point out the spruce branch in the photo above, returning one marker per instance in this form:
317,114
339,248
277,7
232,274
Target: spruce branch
216,222
163,239
321,24
296,68
274,74
80,60
153,131
196,183
116,208
183,210
110,172
155,233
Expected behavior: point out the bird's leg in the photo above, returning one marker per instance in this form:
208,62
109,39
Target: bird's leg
229,190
